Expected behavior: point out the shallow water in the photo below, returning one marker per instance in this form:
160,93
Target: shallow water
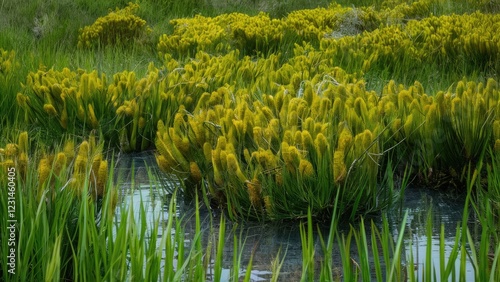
265,241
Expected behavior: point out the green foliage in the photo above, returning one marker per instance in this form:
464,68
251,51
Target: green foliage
9,68
118,27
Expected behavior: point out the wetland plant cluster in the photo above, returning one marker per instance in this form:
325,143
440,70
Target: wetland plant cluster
320,113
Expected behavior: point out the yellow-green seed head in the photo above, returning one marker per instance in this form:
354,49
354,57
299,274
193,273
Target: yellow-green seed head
306,169
50,110
339,168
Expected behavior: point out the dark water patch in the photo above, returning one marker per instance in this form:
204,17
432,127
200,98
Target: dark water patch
264,241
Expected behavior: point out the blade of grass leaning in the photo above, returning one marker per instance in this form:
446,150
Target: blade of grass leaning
362,245
276,265
220,250
326,267
306,236
397,250
428,268
376,254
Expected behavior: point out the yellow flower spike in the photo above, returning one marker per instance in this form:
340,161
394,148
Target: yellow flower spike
285,152
415,106
339,168
431,118
239,126
102,178
56,90
254,192
366,139
11,150
161,127
22,142
268,205
174,151
271,159
307,140
460,88
131,82
309,94
274,126
408,126
456,106
288,136
60,163
195,172
50,110
361,109
261,158
337,106
96,162
80,165
84,84
69,149
44,169
163,163
198,131
345,139
308,124
496,147
223,160
84,149
297,138
233,166
81,112
203,102
268,113
92,117
230,147
142,122
247,156
279,101
22,164
92,142
217,170
113,202
249,120
491,90
22,100
207,152
258,134
321,144
292,120
221,143
294,155
325,105
306,169
7,163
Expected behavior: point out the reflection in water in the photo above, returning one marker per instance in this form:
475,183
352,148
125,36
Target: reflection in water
265,241
445,210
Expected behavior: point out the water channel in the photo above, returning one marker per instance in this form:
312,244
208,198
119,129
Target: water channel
265,240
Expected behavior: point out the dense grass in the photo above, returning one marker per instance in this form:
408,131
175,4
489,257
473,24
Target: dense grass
69,237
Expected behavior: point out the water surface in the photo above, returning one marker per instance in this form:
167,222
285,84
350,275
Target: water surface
266,240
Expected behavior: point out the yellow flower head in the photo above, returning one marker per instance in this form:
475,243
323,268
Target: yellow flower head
195,172
44,169
50,110
321,144
102,178
339,168
11,150
306,169
254,192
